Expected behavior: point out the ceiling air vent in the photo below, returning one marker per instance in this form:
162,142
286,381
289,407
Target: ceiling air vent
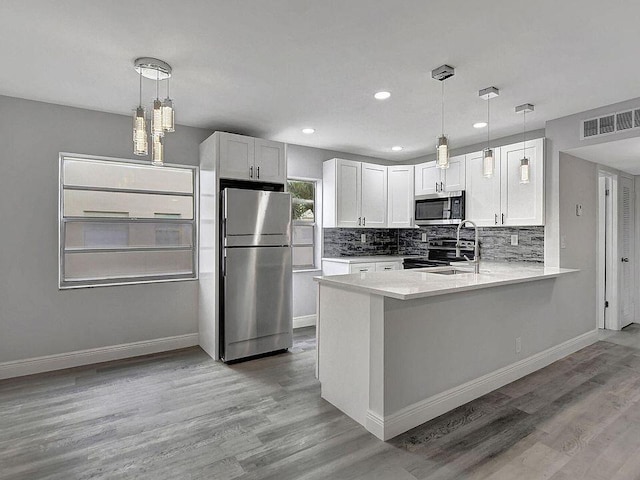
611,123
624,120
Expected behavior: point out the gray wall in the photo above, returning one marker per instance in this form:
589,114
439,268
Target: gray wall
36,318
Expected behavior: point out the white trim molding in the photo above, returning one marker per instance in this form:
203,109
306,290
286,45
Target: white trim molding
304,321
389,426
30,366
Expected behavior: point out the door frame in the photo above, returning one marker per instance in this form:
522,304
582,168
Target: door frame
606,265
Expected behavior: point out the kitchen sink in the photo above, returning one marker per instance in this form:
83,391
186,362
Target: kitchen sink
451,271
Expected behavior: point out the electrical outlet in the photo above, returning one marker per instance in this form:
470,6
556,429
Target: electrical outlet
514,240
363,238
518,344
424,237
578,210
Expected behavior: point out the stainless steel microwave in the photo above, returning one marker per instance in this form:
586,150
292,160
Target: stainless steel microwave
439,209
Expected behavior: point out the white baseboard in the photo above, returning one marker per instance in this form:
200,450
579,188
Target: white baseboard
409,417
29,366
304,321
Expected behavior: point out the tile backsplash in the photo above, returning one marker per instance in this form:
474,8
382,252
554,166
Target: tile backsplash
495,242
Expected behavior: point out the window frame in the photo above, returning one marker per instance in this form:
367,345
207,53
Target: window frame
143,279
303,223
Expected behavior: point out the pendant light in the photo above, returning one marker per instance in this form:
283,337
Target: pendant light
162,119
442,148
525,163
168,120
140,145
488,160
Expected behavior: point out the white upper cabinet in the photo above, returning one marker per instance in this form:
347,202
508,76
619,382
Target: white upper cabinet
354,194
374,195
430,179
502,199
270,162
482,194
248,158
427,179
523,204
236,156
454,177
400,196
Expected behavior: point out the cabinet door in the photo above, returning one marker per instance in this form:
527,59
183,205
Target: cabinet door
348,183
236,156
388,266
374,195
454,177
270,165
523,204
427,178
483,194
362,267
400,196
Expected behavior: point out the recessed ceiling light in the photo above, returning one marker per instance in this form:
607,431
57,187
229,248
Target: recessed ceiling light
382,95
397,148
479,124
308,131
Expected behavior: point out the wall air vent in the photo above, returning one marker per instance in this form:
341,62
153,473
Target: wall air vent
611,123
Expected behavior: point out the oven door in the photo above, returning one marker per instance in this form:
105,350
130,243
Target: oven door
433,211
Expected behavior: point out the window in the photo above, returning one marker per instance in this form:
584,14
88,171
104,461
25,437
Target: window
125,222
303,214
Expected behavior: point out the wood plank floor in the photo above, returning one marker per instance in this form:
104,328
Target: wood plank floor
180,415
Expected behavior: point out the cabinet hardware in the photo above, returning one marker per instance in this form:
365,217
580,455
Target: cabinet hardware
364,221
258,172
359,221
625,259
251,171
495,219
503,219
441,187
436,187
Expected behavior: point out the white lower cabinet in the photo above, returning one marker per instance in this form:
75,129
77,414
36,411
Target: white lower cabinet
334,267
501,199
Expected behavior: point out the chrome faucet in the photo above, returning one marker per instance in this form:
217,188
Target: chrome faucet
476,249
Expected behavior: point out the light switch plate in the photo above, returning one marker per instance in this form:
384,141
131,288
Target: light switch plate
578,210
363,238
514,240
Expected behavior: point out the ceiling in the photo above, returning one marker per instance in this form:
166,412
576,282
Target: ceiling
620,154
271,67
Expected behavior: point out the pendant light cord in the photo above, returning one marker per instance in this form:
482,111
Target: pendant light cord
488,124
157,85
140,99
443,107
524,133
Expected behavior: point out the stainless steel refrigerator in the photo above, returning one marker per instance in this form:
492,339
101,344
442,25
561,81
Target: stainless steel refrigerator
256,297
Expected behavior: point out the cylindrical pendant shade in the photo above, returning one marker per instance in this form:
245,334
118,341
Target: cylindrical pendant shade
156,121
140,144
488,165
158,151
525,170
168,120
442,152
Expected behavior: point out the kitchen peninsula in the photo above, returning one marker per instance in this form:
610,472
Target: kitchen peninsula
398,348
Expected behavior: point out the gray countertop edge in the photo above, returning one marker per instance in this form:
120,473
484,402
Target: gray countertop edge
445,290
368,258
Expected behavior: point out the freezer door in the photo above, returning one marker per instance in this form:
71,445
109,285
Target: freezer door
256,217
258,312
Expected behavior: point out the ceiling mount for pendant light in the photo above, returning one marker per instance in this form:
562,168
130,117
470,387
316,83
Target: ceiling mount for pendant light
525,162
488,160
442,148
163,113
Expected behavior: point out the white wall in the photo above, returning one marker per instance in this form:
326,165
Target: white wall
36,318
306,162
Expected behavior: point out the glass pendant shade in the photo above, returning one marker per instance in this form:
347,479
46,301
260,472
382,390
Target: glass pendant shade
442,152
168,121
156,121
524,170
488,165
140,144
158,151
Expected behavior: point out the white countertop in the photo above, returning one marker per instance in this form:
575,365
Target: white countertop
368,259
423,282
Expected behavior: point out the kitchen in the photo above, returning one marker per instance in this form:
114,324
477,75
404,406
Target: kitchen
486,374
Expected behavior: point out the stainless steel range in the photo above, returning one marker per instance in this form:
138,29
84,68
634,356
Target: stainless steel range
441,252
